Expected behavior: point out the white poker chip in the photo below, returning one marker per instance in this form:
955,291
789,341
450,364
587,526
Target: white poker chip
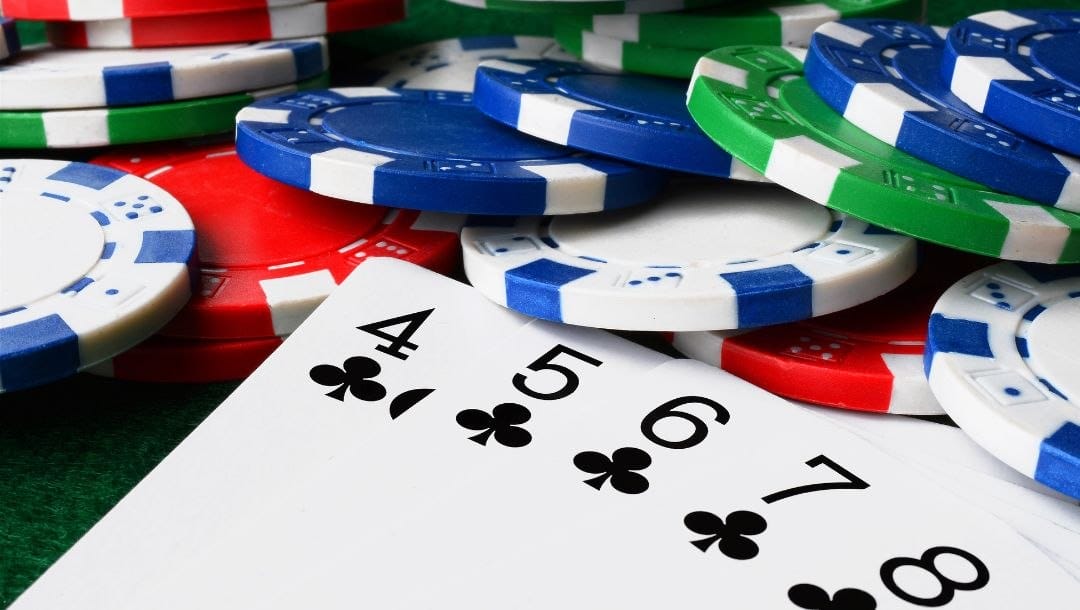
450,65
49,78
92,261
705,257
1003,359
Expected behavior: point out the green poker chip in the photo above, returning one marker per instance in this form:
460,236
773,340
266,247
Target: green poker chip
786,23
755,103
86,127
31,32
630,56
589,7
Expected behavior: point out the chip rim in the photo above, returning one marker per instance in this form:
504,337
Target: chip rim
1019,437
524,95
976,221
889,107
149,264
368,177
976,78
210,71
585,289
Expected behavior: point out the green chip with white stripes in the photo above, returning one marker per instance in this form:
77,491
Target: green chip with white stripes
630,56
755,103
86,127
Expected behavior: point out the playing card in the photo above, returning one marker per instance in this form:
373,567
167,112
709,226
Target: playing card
309,547
939,444
326,389
1047,520
701,490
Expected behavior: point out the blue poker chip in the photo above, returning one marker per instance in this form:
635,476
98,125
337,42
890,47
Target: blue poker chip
1002,356
94,261
9,38
701,258
1020,68
48,78
642,119
427,150
884,76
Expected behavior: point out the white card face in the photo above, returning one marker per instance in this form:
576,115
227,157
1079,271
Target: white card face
734,513
1041,516
548,466
316,540
284,423
943,445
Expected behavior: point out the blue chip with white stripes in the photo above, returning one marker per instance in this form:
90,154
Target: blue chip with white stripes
92,261
884,76
642,119
427,150
1020,69
701,258
1003,356
48,78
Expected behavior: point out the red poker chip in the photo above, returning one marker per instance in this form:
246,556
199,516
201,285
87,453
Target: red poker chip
80,10
270,253
867,358
176,360
275,23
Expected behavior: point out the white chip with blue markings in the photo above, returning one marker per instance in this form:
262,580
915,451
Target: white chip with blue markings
450,65
1003,359
47,78
92,261
704,257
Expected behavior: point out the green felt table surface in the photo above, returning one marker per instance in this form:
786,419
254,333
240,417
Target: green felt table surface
70,451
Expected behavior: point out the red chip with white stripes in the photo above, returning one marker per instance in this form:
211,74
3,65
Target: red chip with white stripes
867,358
83,10
267,23
270,253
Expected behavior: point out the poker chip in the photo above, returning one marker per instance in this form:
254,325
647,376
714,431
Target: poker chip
785,23
588,7
133,124
884,77
1019,68
450,65
634,118
266,23
271,253
617,54
702,258
49,78
9,38
80,10
427,150
94,261
163,359
867,358
30,32
1002,356
754,102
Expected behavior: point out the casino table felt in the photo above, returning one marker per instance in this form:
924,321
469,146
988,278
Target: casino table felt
72,450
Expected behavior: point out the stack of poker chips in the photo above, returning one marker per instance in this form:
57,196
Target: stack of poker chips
88,74
816,196
872,263
143,71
